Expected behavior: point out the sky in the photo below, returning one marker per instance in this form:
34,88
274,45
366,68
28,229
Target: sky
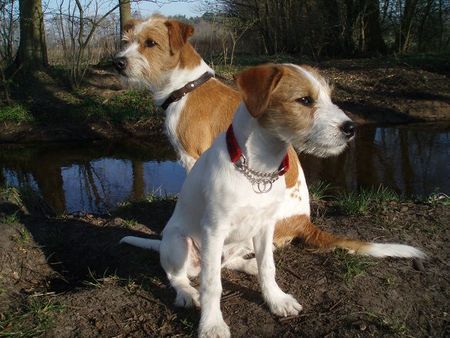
188,8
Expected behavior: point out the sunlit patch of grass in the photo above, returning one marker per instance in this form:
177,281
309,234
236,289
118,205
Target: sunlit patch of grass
33,318
129,223
351,265
366,200
130,105
15,113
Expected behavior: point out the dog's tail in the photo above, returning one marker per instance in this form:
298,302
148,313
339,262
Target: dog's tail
144,243
302,227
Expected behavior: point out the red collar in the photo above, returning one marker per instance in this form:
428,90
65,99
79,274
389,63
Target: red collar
235,152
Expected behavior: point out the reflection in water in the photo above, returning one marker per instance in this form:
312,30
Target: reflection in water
95,177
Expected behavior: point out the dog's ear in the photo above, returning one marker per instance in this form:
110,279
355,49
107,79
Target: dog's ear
179,32
256,84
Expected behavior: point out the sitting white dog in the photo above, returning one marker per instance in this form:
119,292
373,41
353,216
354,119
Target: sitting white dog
229,202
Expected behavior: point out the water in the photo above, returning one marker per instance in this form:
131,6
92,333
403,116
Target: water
95,177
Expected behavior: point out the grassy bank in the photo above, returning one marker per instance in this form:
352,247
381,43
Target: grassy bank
67,276
385,90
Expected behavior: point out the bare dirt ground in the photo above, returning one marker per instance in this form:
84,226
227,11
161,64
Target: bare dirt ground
68,277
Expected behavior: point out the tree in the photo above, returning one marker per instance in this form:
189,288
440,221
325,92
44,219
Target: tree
125,14
32,52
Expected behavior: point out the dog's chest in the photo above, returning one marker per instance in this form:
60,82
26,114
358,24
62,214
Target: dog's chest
248,221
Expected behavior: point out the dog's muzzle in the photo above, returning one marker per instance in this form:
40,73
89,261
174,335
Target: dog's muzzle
120,63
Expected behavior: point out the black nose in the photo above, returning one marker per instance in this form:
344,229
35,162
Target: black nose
120,63
348,128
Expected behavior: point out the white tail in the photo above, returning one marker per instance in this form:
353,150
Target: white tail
390,250
144,243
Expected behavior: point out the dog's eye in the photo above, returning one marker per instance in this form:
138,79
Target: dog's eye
150,43
306,101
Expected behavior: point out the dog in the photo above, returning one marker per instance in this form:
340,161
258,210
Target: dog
158,56
233,193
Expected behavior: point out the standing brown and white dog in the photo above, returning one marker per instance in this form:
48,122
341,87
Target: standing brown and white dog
158,56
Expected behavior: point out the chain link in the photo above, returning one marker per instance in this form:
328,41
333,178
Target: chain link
261,182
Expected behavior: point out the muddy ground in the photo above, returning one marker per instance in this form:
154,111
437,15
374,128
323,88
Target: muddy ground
67,276
381,90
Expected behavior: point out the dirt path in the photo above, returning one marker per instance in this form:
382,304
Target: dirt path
68,277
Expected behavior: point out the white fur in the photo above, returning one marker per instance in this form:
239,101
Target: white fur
392,250
219,216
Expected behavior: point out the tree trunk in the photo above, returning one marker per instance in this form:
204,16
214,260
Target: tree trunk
375,42
32,52
406,24
125,14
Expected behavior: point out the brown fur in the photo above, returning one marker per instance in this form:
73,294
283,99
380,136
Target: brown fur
208,111
283,111
256,85
301,226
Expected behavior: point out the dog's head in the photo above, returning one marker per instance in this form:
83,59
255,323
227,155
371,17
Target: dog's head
294,103
153,48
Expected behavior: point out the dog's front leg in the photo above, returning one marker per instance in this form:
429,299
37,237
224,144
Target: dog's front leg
280,303
212,324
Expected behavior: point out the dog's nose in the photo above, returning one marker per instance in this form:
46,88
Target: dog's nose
348,128
120,63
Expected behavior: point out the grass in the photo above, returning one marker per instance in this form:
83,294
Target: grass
24,236
10,194
33,318
129,223
9,219
130,105
319,191
15,113
365,201
438,198
351,265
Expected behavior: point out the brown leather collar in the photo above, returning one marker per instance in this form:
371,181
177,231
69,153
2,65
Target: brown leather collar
188,87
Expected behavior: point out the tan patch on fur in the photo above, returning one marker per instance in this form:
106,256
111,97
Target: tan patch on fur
291,176
208,111
283,111
256,86
300,226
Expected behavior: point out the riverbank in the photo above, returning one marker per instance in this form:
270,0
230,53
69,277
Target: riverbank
67,276
382,91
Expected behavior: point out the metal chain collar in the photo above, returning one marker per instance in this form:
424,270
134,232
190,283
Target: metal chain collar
261,182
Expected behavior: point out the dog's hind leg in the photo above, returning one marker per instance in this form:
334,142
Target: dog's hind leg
176,260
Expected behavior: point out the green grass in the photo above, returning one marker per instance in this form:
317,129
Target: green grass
129,223
15,113
438,198
10,194
365,201
33,318
9,219
129,105
351,265
319,191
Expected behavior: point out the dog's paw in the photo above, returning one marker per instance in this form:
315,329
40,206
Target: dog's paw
215,330
188,298
284,305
